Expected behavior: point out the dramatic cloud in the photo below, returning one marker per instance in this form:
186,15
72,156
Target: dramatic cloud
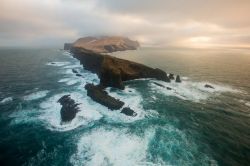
181,23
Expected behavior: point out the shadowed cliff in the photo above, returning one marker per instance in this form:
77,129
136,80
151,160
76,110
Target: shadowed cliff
113,71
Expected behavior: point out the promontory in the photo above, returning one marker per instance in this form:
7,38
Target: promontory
112,71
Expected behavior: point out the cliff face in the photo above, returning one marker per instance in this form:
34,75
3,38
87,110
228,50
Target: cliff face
106,44
113,71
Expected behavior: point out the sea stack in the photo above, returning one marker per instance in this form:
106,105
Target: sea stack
171,76
69,108
98,94
178,79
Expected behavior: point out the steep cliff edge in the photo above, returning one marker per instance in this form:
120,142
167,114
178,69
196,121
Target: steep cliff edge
113,71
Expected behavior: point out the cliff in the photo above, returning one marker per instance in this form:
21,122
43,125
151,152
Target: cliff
106,44
113,71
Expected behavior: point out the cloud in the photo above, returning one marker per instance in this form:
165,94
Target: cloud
153,22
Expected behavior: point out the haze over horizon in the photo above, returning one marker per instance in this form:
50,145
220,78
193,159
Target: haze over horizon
161,23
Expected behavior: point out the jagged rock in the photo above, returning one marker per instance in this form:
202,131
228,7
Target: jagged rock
171,76
98,94
209,86
178,79
128,111
168,88
69,108
79,75
74,71
113,71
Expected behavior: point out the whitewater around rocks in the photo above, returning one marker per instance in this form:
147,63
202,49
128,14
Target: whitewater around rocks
99,136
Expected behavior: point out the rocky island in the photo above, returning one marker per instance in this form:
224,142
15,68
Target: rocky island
103,44
112,71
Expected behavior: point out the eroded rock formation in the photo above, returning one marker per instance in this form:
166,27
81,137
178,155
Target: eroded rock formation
113,71
69,108
178,79
209,86
128,111
98,94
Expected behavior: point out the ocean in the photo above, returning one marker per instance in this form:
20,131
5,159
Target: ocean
189,125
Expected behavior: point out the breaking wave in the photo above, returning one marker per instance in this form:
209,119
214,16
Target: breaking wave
189,90
6,100
36,95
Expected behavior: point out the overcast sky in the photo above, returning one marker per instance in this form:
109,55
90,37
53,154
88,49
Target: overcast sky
179,23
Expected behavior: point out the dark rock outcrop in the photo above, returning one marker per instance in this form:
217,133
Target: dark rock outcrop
209,86
113,71
171,76
74,71
67,46
69,108
78,75
168,88
128,111
178,79
98,94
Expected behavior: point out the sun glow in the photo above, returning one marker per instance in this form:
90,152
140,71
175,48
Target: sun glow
200,39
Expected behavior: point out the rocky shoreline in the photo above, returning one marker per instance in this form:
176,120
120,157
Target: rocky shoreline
112,72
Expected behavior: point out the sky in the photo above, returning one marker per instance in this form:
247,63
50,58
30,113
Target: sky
154,23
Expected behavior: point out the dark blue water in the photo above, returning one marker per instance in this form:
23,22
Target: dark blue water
190,125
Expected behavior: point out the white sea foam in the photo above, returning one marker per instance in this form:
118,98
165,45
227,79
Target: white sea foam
6,100
189,90
57,63
64,80
91,111
72,82
72,66
86,77
67,53
133,100
184,78
245,102
105,146
51,113
36,95
75,64
118,146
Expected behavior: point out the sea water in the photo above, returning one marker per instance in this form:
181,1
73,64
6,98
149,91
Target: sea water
188,125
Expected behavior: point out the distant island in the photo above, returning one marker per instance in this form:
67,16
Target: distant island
104,44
